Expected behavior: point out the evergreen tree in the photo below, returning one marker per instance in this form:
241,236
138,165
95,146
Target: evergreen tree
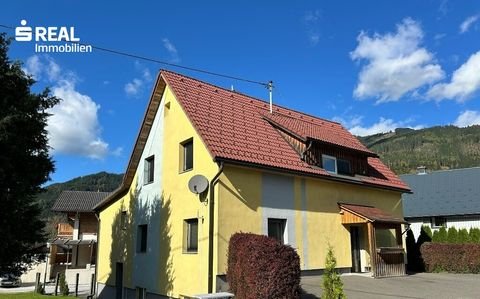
25,163
452,235
426,229
474,235
332,283
463,236
63,285
442,235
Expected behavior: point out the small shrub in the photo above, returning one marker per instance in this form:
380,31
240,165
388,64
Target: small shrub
474,235
63,285
456,258
435,236
332,283
452,235
463,236
262,267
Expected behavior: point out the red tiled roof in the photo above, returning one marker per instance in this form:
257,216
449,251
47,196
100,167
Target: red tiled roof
237,127
371,213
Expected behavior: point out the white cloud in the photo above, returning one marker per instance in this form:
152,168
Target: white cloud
468,118
396,63
382,126
135,87
464,83
311,19
172,50
73,127
468,22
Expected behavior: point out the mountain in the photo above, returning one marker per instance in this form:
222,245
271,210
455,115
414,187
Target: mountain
101,181
442,147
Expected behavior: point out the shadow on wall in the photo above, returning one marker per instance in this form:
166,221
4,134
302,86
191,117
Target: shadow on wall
151,269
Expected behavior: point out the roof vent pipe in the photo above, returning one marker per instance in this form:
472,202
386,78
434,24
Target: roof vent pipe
421,170
270,89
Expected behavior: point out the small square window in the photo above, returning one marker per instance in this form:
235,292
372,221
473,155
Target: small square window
439,221
191,235
148,170
142,238
141,293
329,163
123,220
186,149
276,229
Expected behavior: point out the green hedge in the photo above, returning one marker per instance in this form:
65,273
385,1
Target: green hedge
457,258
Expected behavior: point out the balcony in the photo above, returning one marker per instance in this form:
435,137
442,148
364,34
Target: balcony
64,230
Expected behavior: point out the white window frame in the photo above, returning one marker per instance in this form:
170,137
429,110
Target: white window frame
330,157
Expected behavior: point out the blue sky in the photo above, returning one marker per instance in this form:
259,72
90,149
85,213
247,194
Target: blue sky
373,66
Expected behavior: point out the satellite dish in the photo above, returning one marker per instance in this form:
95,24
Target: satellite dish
198,184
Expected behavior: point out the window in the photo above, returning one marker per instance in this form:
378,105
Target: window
438,221
148,170
343,167
329,163
276,229
141,293
191,235
123,220
186,149
142,238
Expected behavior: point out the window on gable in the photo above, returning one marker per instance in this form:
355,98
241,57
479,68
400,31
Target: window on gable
186,152
142,238
148,170
329,163
343,167
191,235
276,229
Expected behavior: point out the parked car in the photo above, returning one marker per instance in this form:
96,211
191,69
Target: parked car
10,280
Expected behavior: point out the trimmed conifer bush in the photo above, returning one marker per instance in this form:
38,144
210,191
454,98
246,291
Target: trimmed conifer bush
474,235
332,284
452,235
463,236
262,267
428,231
441,235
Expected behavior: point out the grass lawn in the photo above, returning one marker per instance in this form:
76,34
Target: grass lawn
30,296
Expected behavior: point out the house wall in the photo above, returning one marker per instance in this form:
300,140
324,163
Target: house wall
163,205
458,222
247,198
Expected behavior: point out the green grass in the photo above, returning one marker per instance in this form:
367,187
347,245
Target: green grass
30,296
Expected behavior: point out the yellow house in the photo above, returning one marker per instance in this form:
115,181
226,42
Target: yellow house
209,162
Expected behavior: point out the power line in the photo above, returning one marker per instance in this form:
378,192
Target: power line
117,52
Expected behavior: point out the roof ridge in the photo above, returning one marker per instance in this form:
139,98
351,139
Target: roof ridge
251,97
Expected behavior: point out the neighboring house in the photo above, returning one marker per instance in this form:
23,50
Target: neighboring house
449,198
74,249
303,180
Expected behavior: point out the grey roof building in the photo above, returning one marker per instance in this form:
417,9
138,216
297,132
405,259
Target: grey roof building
443,193
78,201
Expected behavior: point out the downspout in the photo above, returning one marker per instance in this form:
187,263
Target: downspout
95,286
211,227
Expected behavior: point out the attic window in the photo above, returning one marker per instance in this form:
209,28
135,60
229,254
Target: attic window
343,167
186,155
148,170
329,163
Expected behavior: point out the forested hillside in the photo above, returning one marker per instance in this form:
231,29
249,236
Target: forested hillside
436,148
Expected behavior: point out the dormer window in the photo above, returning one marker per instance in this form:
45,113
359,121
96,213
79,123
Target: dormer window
329,163
336,165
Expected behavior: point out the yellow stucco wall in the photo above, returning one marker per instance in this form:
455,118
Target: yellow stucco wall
240,209
187,272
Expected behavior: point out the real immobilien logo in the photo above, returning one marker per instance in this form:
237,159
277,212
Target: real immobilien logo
51,39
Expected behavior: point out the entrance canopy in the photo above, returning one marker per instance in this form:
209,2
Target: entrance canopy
352,214
384,233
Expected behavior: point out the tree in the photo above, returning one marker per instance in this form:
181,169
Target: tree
426,230
452,235
474,235
441,236
25,163
463,236
332,284
63,285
